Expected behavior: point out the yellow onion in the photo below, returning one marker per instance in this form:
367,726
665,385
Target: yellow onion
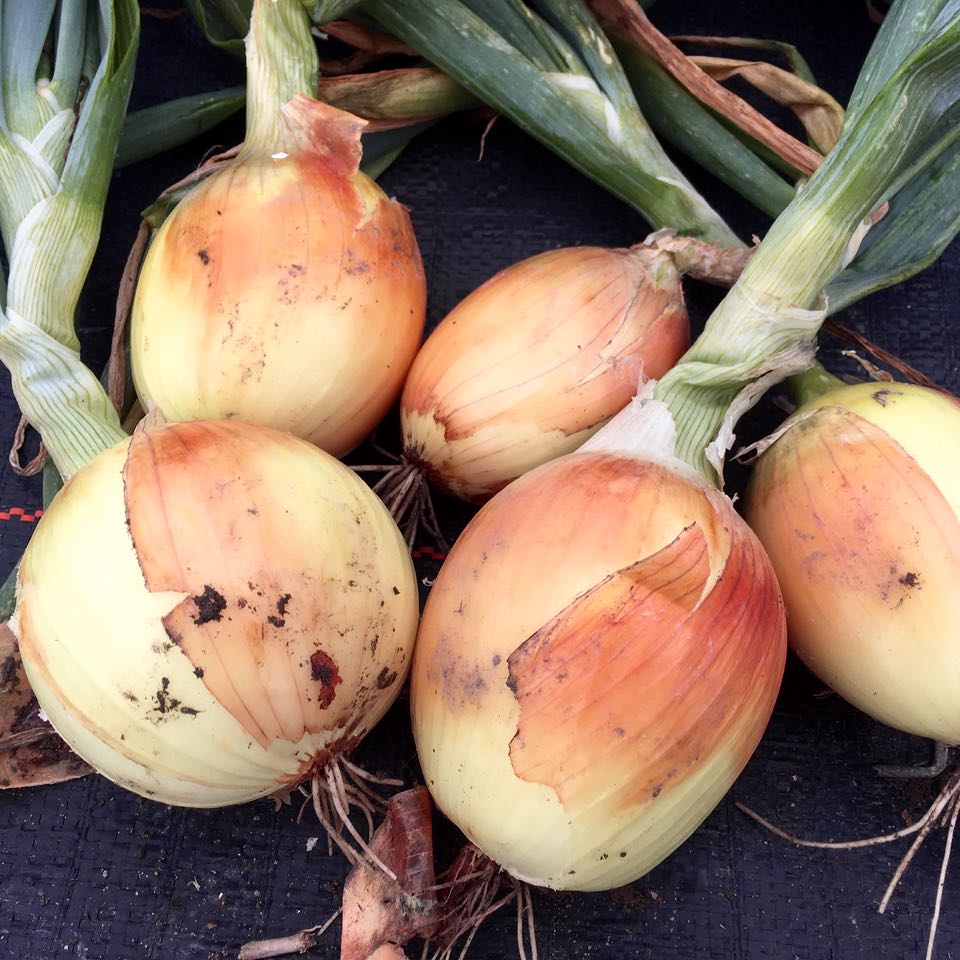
210,611
858,505
285,290
535,360
596,662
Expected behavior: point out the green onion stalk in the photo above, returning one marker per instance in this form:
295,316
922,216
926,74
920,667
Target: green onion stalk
764,329
551,69
57,144
61,110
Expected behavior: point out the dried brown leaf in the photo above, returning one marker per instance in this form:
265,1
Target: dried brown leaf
820,114
627,18
395,98
380,913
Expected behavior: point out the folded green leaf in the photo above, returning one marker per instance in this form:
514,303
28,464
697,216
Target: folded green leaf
525,32
923,218
903,29
323,11
223,22
24,32
156,129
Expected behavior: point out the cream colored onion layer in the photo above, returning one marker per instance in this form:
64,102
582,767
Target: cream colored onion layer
535,360
596,663
285,290
858,505
210,611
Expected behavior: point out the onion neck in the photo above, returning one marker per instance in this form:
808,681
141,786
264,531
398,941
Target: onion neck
765,328
813,383
281,63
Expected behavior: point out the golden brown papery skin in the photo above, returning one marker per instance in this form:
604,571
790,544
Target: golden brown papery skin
535,360
284,292
865,540
250,623
595,665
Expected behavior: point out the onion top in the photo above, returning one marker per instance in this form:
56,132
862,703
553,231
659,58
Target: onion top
286,290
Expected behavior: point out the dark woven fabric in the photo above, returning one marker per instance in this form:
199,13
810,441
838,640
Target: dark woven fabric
90,871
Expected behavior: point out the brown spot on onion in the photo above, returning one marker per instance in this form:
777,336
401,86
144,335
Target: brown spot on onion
325,672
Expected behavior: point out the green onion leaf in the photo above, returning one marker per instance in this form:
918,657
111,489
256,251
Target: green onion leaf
568,110
156,129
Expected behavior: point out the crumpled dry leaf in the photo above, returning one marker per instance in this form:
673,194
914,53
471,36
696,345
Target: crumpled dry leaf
820,114
396,98
380,913
31,753
628,19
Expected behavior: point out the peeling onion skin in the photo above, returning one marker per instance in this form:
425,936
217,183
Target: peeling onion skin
858,505
286,291
536,360
596,662
209,611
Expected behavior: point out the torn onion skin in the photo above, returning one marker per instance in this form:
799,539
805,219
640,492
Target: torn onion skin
211,610
286,290
536,360
858,506
596,662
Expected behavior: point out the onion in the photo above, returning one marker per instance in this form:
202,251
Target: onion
596,662
535,360
286,289
858,505
211,611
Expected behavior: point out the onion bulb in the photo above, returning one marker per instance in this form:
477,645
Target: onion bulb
286,290
210,611
596,662
535,360
858,506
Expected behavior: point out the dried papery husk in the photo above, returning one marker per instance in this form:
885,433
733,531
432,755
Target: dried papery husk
31,753
379,910
286,290
535,360
210,611
596,663
858,506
